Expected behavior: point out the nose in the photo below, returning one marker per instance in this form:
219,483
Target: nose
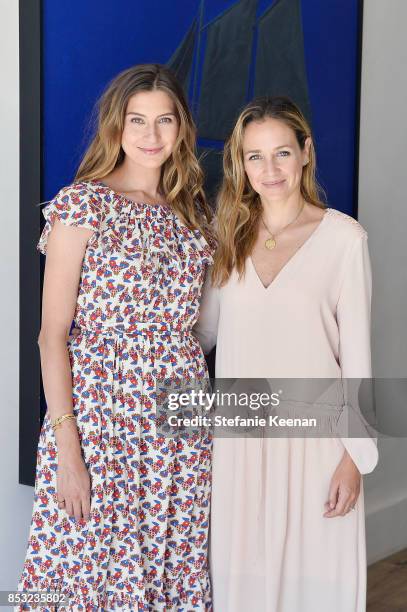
151,133
271,165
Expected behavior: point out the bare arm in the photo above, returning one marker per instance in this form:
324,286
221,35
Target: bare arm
65,252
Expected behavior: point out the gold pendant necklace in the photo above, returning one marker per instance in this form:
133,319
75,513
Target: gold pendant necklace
271,243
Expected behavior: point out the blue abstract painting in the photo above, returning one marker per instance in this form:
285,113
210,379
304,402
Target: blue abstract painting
224,52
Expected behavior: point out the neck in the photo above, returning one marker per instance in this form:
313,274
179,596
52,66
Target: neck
133,177
277,213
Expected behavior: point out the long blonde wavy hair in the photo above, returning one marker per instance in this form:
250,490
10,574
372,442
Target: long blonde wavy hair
181,179
238,205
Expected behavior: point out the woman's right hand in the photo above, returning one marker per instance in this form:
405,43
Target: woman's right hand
73,486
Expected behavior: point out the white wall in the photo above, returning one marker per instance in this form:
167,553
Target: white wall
16,500
383,212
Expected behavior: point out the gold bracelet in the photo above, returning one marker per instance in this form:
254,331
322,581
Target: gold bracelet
56,422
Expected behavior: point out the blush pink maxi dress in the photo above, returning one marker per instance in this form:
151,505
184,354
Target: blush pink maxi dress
271,548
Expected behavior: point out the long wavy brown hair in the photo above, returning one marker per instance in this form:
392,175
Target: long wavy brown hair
238,205
181,179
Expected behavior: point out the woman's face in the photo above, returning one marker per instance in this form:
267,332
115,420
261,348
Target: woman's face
150,128
273,159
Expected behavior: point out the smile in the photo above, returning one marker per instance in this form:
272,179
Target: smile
273,183
151,151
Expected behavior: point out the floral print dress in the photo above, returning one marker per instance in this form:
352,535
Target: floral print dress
145,546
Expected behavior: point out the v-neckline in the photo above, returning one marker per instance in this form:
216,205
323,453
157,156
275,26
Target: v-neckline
292,258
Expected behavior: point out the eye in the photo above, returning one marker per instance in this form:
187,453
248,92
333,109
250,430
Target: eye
166,120
283,153
254,157
136,120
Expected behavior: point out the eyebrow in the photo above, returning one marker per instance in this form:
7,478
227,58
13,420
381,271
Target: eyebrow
259,150
141,114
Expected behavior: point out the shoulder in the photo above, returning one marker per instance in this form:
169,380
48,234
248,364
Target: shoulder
77,191
80,199
76,204
345,228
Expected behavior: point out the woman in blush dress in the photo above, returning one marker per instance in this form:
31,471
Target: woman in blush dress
121,512
288,297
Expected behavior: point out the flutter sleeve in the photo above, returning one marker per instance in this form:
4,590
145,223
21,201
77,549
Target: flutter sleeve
353,318
206,326
75,205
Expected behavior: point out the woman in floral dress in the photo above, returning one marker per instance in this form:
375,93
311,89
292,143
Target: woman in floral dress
120,517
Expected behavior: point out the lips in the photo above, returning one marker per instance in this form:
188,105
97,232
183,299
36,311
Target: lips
274,183
151,151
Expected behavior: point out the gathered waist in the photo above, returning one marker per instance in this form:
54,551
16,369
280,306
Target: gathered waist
140,328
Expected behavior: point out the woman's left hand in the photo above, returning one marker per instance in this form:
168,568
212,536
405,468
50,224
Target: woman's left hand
344,488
